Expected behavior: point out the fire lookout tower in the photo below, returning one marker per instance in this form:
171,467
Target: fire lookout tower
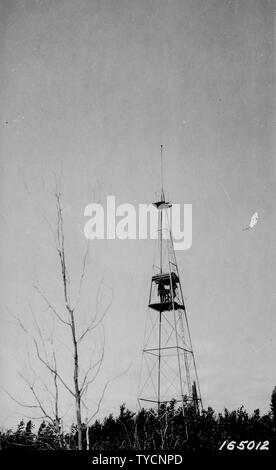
168,365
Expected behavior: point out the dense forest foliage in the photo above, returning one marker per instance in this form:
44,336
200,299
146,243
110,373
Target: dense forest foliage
152,431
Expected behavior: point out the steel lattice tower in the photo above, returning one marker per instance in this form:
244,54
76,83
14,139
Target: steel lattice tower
168,368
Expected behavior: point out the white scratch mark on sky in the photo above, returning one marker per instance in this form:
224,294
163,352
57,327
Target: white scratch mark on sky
226,194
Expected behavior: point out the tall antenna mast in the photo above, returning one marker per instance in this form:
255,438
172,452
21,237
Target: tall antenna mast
162,182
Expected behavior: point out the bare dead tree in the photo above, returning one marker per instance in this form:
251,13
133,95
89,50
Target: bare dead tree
68,318
81,384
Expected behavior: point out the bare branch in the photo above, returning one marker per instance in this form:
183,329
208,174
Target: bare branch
84,264
48,390
97,364
52,230
92,326
39,332
40,405
99,403
22,326
104,390
51,369
61,250
50,306
25,405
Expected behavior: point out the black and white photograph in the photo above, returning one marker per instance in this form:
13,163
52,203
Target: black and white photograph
138,231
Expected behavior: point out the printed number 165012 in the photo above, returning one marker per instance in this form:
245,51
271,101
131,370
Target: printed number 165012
245,445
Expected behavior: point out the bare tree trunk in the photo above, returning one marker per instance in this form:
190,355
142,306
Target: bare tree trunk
87,434
76,381
61,252
57,418
78,412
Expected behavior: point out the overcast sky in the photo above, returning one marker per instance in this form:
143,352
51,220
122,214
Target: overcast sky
89,90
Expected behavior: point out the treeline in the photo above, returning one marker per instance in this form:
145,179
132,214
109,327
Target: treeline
168,430
152,431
